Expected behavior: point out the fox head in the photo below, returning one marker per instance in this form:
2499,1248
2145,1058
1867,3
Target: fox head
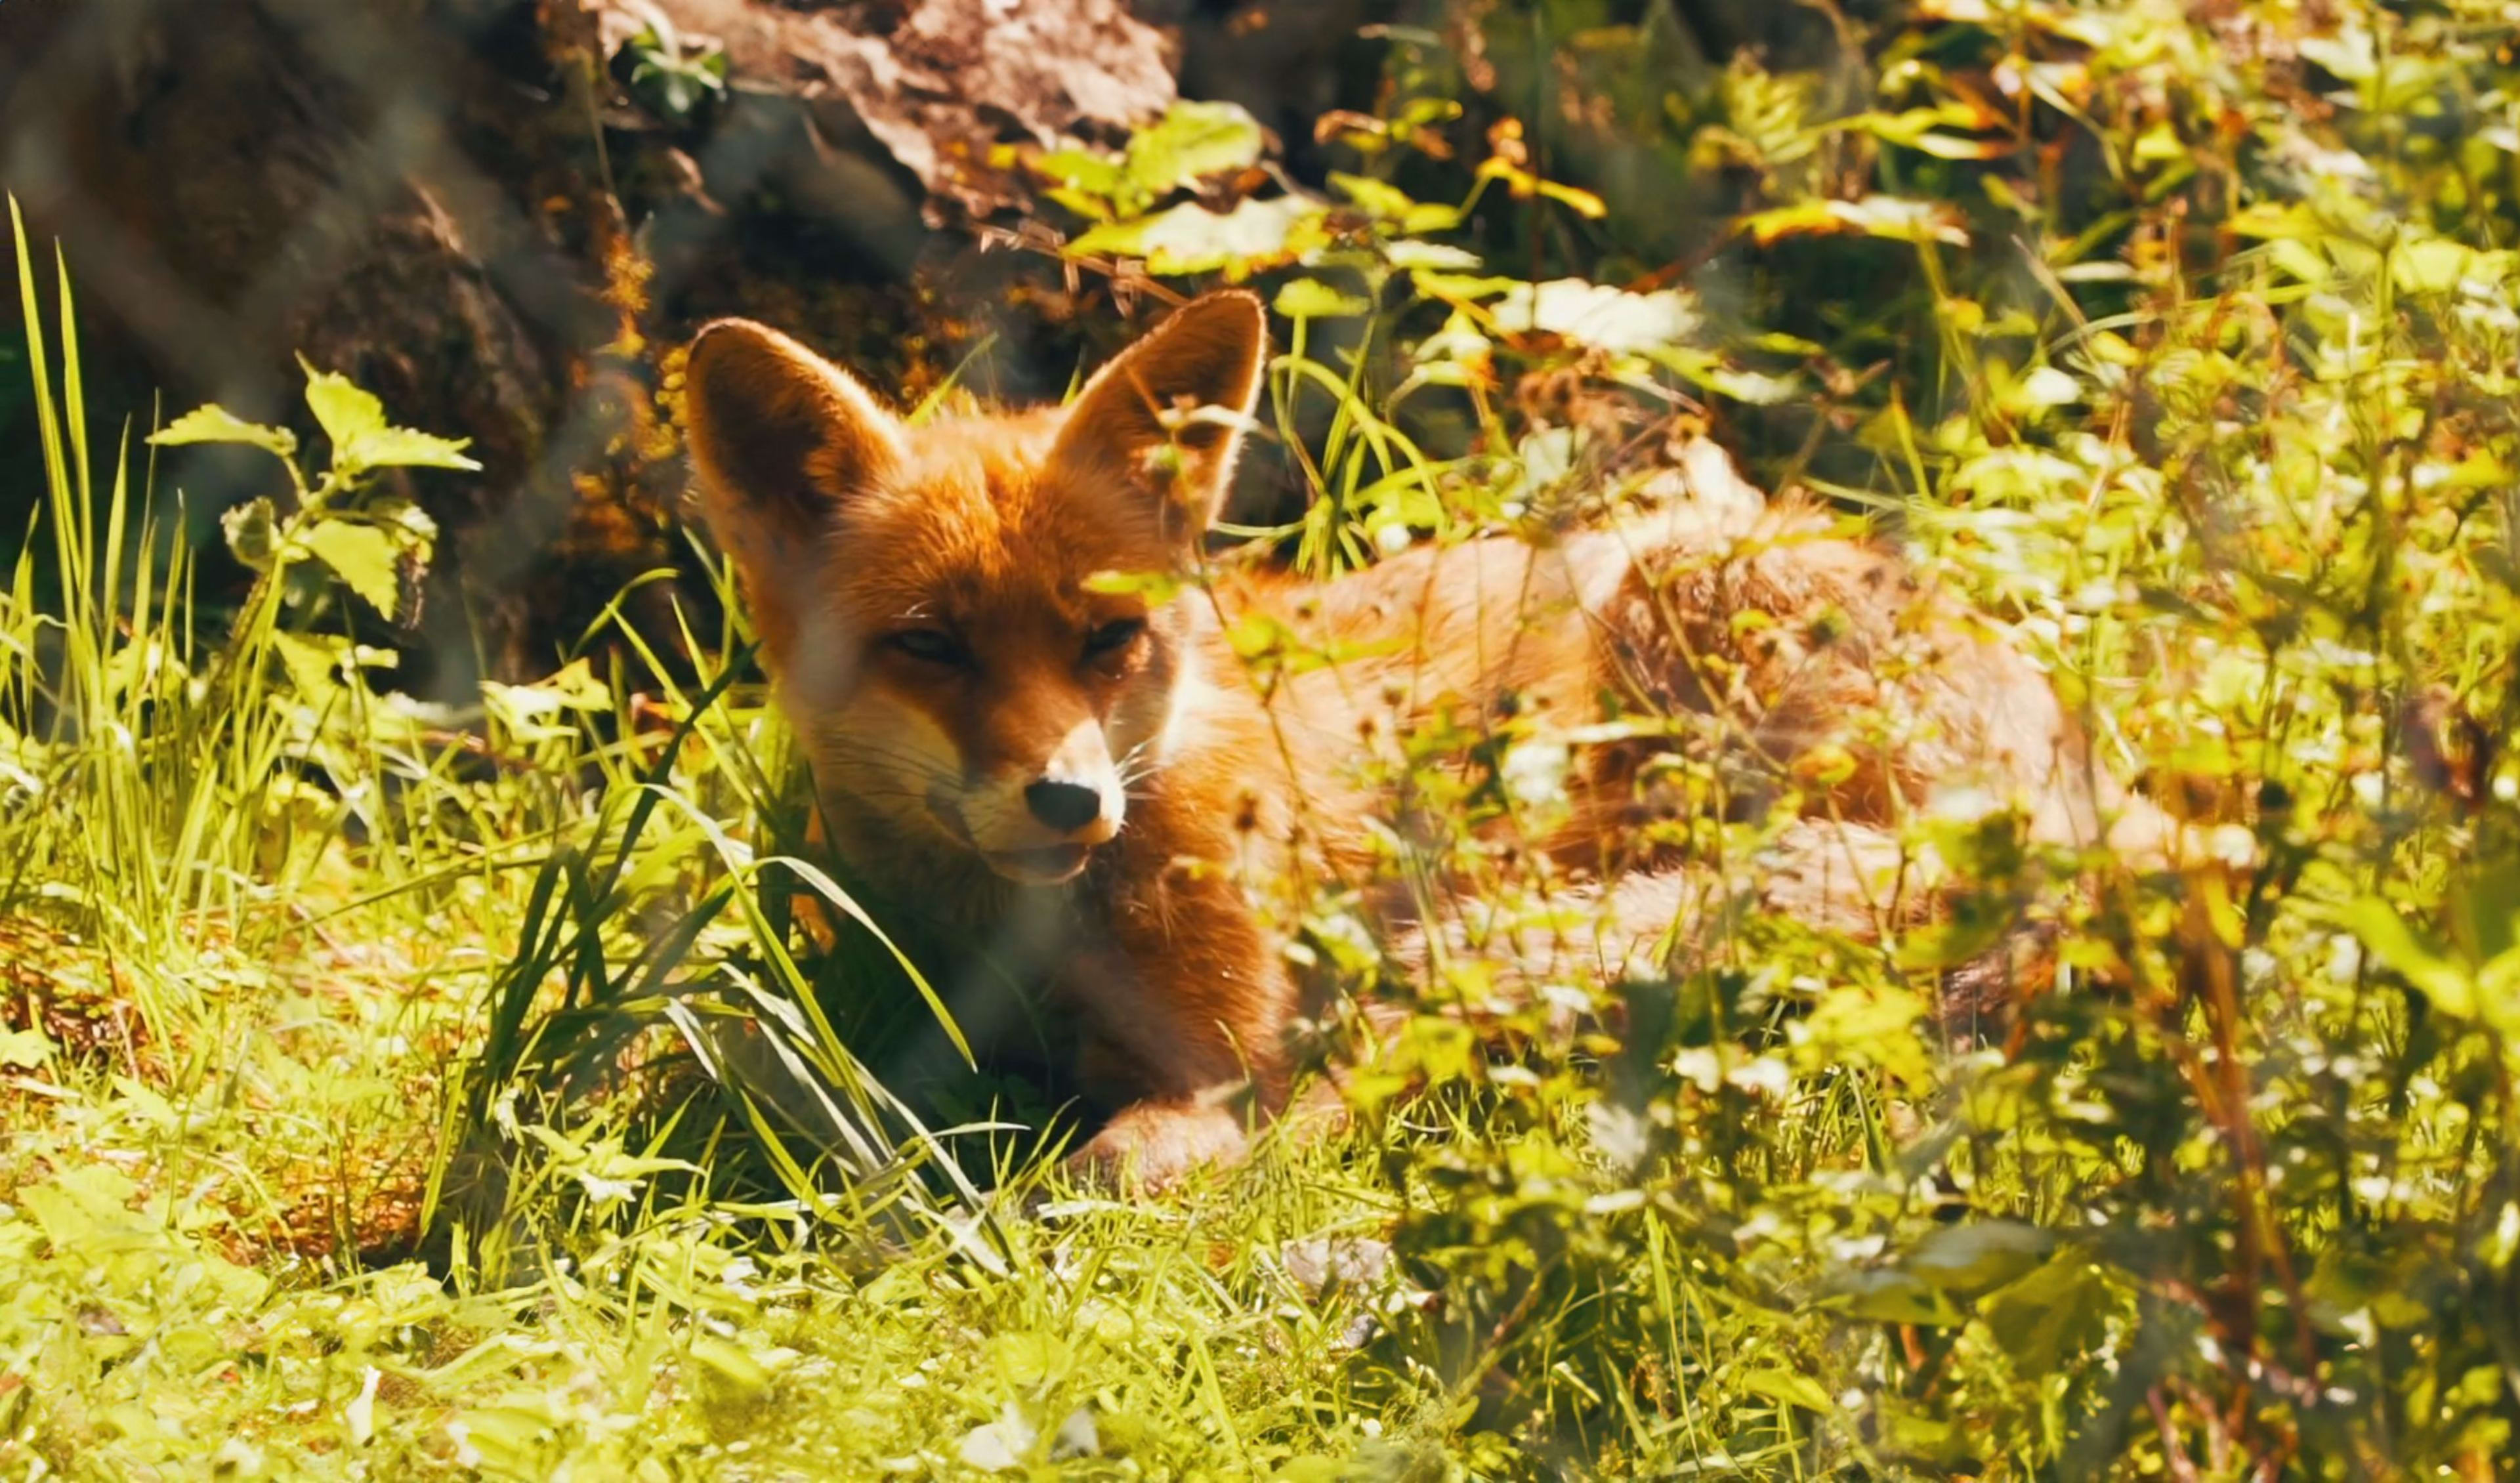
927,598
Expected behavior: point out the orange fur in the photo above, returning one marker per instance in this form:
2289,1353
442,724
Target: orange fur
992,728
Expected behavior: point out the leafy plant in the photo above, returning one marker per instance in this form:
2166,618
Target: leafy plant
375,544
676,81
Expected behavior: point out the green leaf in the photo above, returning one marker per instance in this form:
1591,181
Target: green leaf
1525,185
1962,147
1978,1255
363,557
2159,144
1028,1359
1001,1445
1156,587
2432,266
1788,1389
2485,910
2349,54
1885,216
1439,256
355,420
1191,239
507,1440
1080,168
83,1203
1391,205
2061,1308
1192,141
2047,387
252,532
346,412
1597,315
526,707
403,448
1889,1296
214,423
1312,298
2448,984
1753,387
1432,217
314,663
25,1048
414,532
2270,221
1081,181
731,1366
1854,1026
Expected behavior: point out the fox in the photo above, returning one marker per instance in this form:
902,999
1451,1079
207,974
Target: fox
1008,658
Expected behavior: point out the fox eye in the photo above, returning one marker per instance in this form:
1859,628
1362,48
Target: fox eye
1114,637
929,646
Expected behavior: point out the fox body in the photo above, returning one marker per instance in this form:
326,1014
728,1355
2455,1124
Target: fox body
998,726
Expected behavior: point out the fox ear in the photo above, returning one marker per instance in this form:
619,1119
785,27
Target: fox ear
1167,417
781,438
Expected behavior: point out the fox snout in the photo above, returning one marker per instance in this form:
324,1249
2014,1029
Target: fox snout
1075,792
1064,807
1037,821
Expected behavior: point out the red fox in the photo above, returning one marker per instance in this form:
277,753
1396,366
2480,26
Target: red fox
994,725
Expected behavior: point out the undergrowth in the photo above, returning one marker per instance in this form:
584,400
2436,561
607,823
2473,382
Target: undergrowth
394,1090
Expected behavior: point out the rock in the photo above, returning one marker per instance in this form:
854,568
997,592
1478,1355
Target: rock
939,84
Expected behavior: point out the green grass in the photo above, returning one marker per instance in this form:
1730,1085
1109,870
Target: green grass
396,1093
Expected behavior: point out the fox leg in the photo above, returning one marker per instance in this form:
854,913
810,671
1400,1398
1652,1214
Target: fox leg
1192,1005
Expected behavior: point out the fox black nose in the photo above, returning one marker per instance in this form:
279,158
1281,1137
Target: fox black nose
1064,807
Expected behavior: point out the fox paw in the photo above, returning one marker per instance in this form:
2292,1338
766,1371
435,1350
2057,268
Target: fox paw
1150,1147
